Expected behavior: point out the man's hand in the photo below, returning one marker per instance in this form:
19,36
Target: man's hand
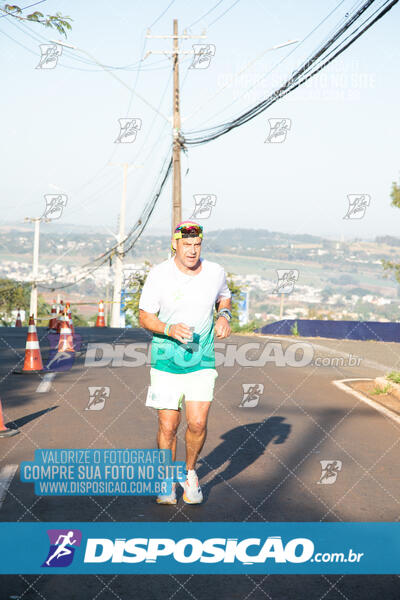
180,332
222,328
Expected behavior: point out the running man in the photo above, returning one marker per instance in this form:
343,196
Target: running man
62,549
177,306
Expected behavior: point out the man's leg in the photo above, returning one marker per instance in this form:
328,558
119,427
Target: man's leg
168,423
196,416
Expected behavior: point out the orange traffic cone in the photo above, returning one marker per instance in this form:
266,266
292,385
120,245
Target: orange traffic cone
100,322
69,314
5,431
33,358
53,318
66,343
18,322
60,319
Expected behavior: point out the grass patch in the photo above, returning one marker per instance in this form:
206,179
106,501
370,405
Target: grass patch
377,391
394,376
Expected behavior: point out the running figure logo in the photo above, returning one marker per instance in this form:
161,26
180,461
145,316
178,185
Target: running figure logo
49,56
278,129
330,471
63,543
128,129
132,280
55,204
357,206
97,397
251,394
203,54
203,205
286,280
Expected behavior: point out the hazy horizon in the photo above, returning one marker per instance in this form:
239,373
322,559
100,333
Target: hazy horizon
66,228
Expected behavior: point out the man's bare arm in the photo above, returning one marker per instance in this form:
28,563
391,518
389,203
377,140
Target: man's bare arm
150,321
222,327
223,303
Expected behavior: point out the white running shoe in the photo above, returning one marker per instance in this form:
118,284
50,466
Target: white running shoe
167,498
192,493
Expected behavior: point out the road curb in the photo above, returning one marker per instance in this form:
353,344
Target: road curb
341,384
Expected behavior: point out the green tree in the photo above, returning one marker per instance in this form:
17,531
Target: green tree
132,304
236,291
57,21
78,320
43,311
395,194
14,295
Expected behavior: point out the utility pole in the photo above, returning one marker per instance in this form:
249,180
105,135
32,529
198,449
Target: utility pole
176,128
118,259
35,263
35,270
107,309
176,117
119,255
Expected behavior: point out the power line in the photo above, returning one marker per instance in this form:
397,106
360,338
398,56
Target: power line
131,238
205,14
223,14
162,14
299,77
295,49
37,37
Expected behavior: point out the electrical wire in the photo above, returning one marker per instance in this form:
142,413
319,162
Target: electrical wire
299,76
223,14
205,14
162,14
292,51
131,238
39,38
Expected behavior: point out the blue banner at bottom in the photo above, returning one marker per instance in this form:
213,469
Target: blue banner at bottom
209,548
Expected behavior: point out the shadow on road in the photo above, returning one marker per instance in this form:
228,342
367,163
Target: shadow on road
242,446
17,423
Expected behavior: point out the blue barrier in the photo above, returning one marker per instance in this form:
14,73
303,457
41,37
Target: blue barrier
350,330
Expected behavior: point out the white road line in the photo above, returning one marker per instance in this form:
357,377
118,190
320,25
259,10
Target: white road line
6,475
341,384
45,384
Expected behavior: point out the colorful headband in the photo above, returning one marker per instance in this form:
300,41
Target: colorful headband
198,229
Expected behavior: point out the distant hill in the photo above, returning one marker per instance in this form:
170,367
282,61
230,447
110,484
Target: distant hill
258,238
87,241
387,239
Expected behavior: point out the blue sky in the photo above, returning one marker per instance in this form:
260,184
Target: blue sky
59,125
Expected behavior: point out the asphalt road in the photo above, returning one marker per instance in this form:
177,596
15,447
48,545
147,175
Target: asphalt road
259,463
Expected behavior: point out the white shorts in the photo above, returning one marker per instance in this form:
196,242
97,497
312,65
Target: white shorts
167,390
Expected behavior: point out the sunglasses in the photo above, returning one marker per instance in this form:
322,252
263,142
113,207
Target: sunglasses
189,231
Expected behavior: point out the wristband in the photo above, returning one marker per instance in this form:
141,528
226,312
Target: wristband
166,329
226,313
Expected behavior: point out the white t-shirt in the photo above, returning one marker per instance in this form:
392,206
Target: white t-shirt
188,299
